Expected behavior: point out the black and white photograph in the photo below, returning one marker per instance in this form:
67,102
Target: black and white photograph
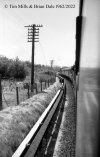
49,78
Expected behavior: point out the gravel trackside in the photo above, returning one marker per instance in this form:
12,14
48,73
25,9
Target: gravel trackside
16,121
65,144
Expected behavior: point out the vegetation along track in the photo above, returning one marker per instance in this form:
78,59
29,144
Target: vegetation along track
56,129
60,136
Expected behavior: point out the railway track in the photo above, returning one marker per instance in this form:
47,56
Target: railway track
42,138
48,142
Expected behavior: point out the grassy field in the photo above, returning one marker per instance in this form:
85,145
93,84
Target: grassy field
9,94
16,121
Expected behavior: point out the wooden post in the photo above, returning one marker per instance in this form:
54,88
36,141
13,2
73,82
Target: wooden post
41,86
32,90
32,66
45,84
33,33
0,94
36,88
48,83
28,91
17,95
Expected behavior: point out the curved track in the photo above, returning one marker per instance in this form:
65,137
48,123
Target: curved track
55,133
60,137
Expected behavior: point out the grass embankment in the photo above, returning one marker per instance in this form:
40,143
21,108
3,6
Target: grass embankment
16,121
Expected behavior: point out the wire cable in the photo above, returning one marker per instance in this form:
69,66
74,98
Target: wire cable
42,50
5,99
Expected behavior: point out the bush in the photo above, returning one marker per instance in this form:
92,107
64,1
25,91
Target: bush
19,68
12,68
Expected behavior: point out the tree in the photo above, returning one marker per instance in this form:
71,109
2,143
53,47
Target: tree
19,68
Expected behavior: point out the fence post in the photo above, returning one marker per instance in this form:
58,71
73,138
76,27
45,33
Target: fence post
48,83
36,89
45,84
0,94
41,86
17,95
28,91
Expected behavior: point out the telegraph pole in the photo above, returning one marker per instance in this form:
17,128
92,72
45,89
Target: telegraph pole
33,36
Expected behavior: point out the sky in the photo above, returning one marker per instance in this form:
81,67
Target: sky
56,37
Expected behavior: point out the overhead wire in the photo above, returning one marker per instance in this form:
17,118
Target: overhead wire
42,50
5,99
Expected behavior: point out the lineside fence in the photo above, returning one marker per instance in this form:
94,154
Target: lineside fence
11,96
29,146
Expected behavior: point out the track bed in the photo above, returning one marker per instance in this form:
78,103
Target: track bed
59,139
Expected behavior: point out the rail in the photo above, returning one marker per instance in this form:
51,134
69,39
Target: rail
30,144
